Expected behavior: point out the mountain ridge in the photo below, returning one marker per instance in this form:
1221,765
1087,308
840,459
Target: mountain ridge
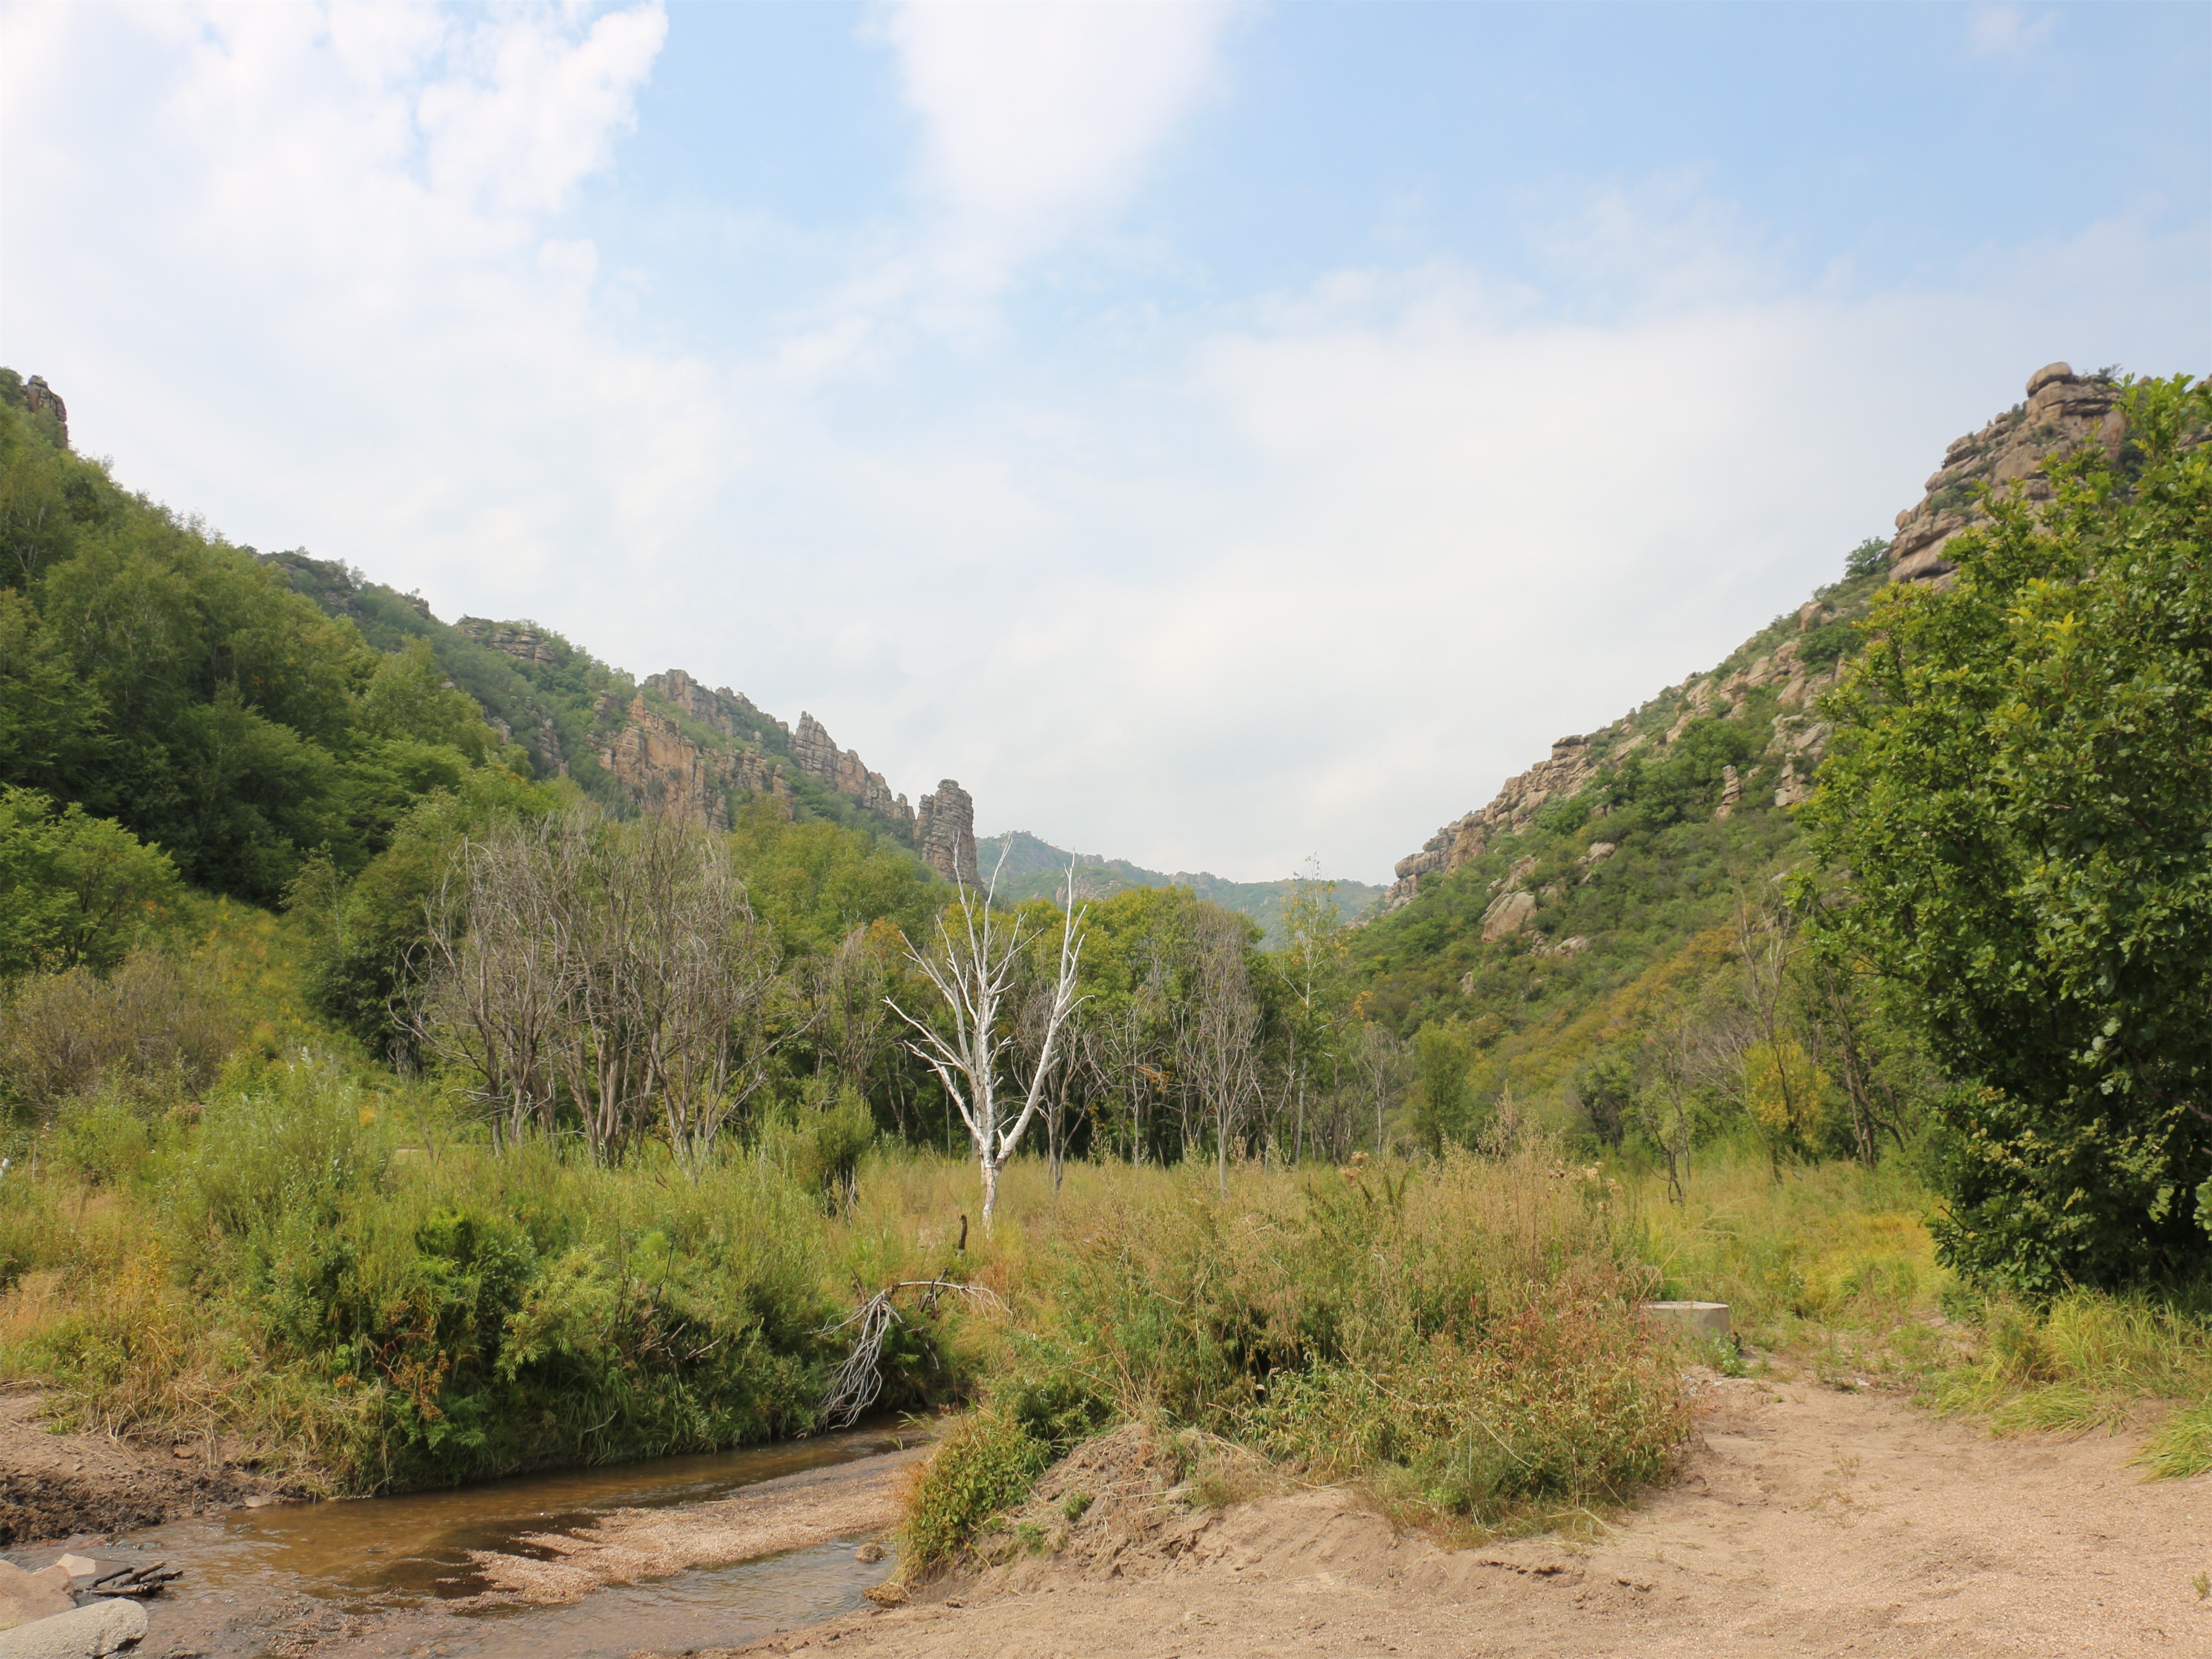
1035,868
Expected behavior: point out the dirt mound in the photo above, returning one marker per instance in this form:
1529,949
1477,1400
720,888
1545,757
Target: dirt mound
1808,1522
64,1486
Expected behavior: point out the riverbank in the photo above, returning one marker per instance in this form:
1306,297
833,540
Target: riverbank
1809,1520
55,1486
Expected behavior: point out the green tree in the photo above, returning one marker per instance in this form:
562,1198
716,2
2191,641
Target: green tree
74,889
2019,797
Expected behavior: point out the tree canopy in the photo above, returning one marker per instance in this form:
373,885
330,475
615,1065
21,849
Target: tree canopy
2020,802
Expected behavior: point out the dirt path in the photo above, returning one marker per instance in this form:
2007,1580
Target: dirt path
1810,1523
62,1485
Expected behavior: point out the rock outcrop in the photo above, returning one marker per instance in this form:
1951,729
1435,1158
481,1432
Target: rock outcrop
945,832
816,753
39,398
522,640
1570,767
2062,411
669,775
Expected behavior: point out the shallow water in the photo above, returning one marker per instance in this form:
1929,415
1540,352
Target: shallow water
371,1575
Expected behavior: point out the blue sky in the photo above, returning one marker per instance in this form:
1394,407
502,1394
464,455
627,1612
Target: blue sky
1216,434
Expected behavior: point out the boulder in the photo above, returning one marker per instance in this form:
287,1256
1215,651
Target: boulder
1507,916
2049,372
87,1632
26,1596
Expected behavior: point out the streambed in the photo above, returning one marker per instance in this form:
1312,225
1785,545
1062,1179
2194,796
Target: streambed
681,1552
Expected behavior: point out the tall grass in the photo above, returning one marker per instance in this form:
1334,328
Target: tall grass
1460,1336
1834,1263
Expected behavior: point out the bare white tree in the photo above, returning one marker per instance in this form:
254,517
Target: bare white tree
973,971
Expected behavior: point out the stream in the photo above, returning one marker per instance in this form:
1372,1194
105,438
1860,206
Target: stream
401,1576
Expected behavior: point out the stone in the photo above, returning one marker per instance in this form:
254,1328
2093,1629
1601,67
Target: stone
945,832
26,1596
2049,372
869,1552
1508,915
1731,792
816,753
92,1631
1597,852
524,641
670,776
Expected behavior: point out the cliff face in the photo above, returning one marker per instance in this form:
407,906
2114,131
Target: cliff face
1775,677
670,776
816,753
670,746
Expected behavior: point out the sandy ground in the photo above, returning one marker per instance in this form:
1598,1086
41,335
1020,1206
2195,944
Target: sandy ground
55,1486
1809,1522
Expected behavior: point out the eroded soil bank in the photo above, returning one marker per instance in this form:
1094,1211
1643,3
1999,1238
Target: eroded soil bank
61,1485
1809,1522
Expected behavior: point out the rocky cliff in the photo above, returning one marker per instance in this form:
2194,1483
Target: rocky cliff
1775,677
35,397
945,832
667,745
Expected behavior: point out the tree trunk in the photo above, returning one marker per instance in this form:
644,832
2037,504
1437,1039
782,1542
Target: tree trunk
990,1190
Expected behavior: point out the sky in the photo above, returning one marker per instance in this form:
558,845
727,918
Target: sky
1218,436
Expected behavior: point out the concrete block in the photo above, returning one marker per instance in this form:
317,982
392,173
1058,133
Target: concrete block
1699,1318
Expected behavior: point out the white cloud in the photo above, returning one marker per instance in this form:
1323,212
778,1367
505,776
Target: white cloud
1037,122
2007,30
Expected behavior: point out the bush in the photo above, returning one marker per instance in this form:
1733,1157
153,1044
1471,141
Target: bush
985,1465
153,1029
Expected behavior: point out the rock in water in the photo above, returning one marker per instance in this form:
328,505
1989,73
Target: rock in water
89,1632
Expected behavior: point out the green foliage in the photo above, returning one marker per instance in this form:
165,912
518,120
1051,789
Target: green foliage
1869,558
1819,648
984,1465
1443,1105
401,1316
154,1029
1609,1088
167,680
361,928
2020,793
74,889
1651,792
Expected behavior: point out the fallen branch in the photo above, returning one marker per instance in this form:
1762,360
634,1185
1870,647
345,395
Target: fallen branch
859,1380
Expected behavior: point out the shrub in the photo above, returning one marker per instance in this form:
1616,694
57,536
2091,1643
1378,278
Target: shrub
985,1465
155,1027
